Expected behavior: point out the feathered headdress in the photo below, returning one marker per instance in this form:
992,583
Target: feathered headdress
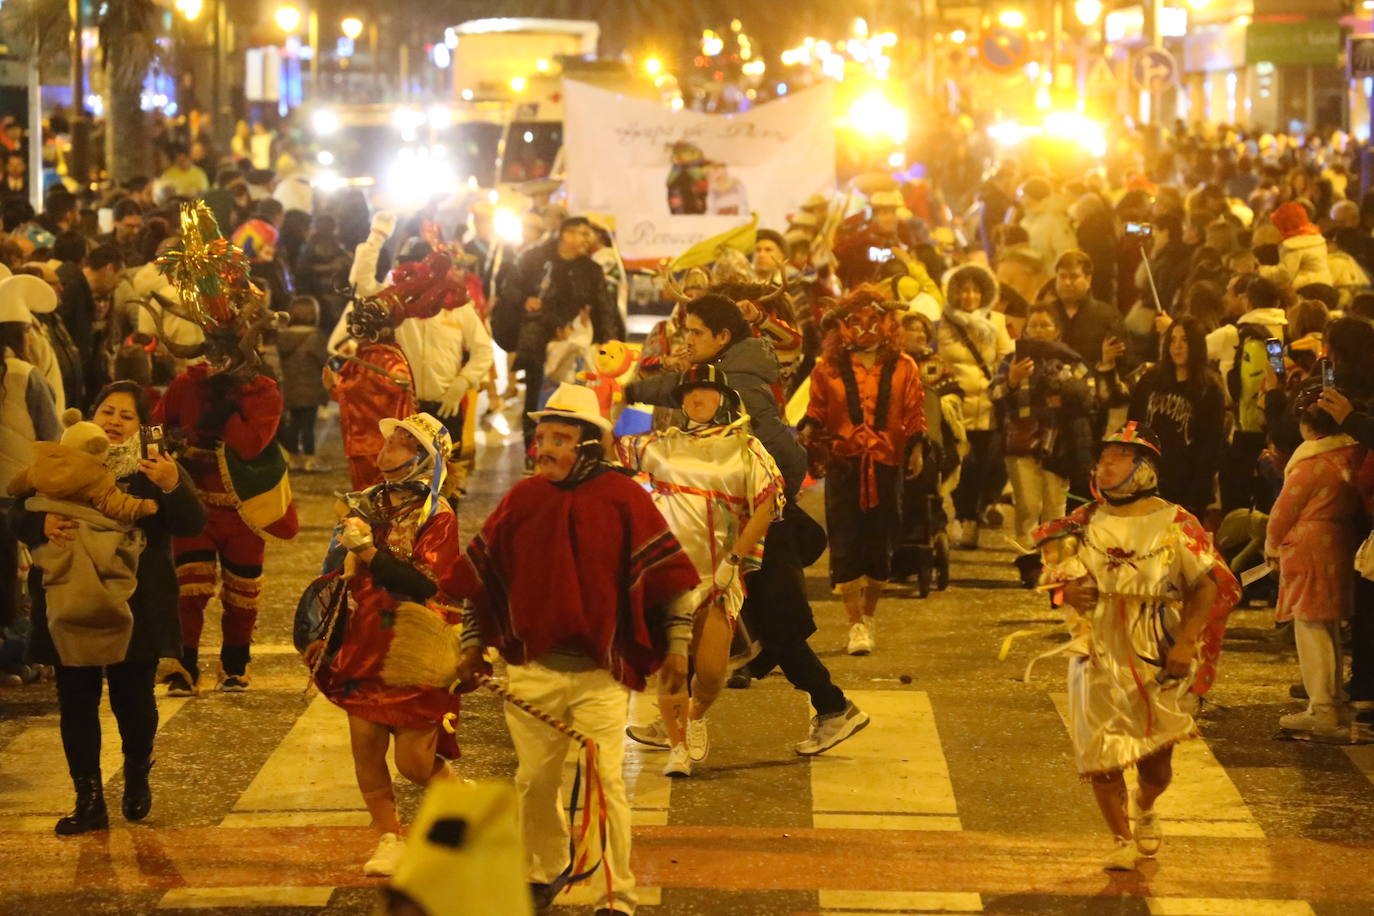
211,278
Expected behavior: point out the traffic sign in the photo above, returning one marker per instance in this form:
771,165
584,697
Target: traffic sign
1154,69
1101,75
1003,49
1359,56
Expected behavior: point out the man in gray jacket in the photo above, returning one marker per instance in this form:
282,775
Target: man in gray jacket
776,610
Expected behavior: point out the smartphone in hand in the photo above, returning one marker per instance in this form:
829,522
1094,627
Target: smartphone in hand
1274,348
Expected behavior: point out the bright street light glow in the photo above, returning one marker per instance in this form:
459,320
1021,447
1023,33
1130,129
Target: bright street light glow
1012,19
288,18
518,84
352,27
874,116
1088,11
653,66
324,157
958,36
190,8
325,121
542,65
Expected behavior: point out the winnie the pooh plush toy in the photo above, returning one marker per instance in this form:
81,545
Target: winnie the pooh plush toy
613,359
74,470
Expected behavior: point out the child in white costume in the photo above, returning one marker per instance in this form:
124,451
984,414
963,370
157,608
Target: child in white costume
718,489
1154,595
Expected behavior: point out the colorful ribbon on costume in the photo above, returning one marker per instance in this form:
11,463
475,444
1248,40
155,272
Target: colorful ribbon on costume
579,851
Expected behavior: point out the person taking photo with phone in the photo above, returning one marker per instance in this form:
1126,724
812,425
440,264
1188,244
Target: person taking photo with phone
122,414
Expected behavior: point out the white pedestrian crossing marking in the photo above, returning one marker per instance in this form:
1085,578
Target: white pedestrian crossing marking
892,775
845,903
1218,906
199,898
1202,800
34,771
308,779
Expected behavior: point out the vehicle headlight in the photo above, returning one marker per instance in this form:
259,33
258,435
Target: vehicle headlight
325,121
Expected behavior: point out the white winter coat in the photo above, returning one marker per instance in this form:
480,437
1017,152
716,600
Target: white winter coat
1304,259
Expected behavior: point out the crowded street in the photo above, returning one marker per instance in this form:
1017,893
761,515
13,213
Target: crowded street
959,798
555,456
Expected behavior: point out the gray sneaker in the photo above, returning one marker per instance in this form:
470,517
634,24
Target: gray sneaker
653,735
828,731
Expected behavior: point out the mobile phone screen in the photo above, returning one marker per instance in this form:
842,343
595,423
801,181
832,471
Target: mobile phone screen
1274,347
1328,374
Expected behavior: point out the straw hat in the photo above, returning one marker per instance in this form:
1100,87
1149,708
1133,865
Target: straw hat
573,402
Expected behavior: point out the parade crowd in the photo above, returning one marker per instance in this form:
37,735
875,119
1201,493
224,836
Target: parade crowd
1158,369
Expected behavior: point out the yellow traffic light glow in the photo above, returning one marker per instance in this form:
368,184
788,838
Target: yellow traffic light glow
352,27
288,18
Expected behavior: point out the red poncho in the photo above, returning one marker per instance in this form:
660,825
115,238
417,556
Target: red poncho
591,568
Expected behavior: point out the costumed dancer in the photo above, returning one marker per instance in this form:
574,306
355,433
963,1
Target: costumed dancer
1154,595
228,412
866,406
719,491
398,537
580,621
370,385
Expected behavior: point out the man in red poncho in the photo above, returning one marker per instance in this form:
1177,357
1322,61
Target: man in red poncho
576,579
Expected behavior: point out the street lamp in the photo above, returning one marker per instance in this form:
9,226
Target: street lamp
191,9
288,18
352,27
1088,11
1012,19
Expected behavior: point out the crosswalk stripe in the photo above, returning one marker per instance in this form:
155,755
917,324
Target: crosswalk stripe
196,898
860,785
840,903
1217,906
1202,801
310,773
34,773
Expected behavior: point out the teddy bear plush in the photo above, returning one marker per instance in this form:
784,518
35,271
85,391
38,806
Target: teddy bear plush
613,359
74,470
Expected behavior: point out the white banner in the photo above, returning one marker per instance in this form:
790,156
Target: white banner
672,178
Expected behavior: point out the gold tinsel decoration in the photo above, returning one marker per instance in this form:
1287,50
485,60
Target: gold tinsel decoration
209,272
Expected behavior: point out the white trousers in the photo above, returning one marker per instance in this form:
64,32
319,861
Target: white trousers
1038,495
1321,661
593,703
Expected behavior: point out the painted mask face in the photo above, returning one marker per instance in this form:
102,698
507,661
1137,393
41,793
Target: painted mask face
865,328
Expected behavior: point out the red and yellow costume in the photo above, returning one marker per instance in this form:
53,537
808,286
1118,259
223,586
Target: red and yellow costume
868,414
353,679
226,418
366,395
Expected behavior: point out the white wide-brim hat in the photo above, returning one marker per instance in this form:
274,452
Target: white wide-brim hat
426,429
573,402
35,293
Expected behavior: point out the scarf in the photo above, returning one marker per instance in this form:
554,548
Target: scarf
122,459
975,324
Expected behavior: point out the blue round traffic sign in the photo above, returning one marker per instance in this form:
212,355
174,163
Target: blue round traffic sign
1003,49
1154,69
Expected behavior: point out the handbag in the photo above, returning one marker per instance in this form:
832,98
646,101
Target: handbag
1023,437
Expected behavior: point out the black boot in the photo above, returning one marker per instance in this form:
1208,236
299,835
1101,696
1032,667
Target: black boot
1029,565
90,813
138,795
233,663
925,569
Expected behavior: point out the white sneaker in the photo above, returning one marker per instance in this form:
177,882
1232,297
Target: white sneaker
653,734
860,639
679,761
1321,722
828,731
698,741
1122,857
387,856
1149,835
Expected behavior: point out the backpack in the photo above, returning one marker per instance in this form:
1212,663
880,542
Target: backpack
1245,375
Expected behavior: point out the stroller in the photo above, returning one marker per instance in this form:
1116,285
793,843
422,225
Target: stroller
923,550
